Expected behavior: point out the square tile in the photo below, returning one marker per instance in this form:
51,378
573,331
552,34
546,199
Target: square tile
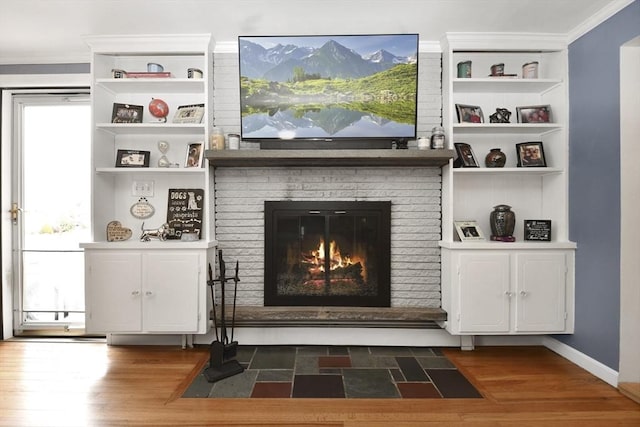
418,391
278,390
318,386
369,383
275,375
435,363
411,369
274,357
334,362
452,384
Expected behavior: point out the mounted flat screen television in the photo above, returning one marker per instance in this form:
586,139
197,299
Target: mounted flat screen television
350,91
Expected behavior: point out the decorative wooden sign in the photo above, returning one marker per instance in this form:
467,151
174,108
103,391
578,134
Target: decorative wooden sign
184,213
117,233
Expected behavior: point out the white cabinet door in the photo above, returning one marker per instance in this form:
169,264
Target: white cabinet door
540,291
113,295
484,296
170,291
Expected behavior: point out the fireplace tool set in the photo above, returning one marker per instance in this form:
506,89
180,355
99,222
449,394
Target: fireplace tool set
222,362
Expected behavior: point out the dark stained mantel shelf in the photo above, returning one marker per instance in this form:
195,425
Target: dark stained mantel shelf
366,157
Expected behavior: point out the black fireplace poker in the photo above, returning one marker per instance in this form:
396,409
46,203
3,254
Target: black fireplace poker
222,362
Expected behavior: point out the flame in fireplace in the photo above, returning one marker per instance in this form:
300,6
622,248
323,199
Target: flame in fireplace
316,259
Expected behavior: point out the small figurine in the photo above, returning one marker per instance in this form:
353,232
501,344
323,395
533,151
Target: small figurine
160,233
500,116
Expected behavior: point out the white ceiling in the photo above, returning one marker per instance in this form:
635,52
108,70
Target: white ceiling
49,31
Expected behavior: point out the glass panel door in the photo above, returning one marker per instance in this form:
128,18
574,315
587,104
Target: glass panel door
51,193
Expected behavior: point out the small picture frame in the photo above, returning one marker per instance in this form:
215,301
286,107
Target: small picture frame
537,230
530,155
132,159
189,114
127,113
469,114
468,231
534,114
465,157
195,153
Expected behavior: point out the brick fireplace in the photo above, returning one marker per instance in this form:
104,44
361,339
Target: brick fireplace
414,195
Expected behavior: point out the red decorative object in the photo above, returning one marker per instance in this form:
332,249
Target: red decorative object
159,109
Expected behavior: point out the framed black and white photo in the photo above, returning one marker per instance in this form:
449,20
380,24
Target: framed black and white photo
468,231
465,157
195,153
538,230
126,113
132,159
469,114
534,114
189,114
530,155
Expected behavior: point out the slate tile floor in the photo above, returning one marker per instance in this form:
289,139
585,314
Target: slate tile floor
338,372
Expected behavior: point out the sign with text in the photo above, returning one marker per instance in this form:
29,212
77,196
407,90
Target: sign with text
184,213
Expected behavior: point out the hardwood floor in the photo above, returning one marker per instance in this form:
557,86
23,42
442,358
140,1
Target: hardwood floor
91,384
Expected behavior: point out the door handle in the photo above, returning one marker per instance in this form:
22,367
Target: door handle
14,212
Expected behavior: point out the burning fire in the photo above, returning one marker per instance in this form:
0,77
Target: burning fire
338,263
336,259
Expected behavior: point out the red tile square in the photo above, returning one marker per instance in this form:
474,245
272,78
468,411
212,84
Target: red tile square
334,362
418,390
271,390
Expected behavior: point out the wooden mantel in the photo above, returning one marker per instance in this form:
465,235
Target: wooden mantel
366,157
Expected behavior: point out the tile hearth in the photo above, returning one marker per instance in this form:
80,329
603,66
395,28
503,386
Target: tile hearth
338,372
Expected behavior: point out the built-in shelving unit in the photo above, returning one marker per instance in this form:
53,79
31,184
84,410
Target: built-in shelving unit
158,286
522,278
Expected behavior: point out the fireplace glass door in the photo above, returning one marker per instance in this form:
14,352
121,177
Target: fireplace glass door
327,253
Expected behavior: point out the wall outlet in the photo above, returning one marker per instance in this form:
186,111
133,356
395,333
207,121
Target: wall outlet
142,188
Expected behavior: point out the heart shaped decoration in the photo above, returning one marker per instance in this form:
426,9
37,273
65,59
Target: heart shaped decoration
117,233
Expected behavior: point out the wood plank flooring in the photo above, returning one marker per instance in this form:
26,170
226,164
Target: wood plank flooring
91,384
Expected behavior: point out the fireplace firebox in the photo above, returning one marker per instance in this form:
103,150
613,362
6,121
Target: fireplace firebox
334,253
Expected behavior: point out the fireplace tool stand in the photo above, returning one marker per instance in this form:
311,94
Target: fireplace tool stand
222,362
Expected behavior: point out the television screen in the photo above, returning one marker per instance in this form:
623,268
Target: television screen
335,91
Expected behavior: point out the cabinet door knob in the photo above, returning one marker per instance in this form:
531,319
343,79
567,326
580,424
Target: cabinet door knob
523,293
135,293
508,293
148,293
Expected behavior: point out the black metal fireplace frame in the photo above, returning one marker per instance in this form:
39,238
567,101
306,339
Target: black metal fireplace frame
382,209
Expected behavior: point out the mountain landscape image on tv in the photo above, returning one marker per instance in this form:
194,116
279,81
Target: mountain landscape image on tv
328,88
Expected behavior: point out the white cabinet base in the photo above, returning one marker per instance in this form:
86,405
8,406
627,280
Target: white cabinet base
508,292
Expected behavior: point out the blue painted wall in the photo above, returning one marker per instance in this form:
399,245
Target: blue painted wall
594,183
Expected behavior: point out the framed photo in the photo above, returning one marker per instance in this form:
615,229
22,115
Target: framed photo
538,230
189,114
466,158
469,114
126,113
530,155
132,159
468,231
534,114
195,153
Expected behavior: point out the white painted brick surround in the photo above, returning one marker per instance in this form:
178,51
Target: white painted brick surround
415,195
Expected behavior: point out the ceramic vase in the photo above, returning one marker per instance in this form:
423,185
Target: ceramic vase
502,221
495,159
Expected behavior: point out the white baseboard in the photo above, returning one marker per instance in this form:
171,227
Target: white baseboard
592,366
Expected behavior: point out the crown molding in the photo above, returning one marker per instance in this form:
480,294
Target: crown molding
597,18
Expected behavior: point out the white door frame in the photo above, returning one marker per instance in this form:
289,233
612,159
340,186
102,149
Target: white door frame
629,368
9,83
